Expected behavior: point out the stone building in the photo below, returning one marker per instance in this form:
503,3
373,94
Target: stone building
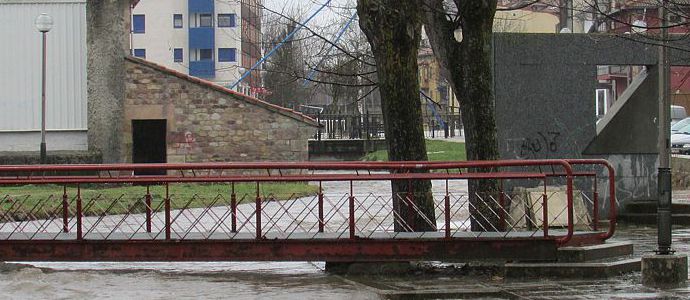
170,116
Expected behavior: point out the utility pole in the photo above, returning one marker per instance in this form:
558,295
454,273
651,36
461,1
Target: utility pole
664,268
664,179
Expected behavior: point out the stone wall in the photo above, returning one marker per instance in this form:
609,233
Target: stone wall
206,122
53,157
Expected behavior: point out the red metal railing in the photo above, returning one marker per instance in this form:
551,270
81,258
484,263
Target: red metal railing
353,202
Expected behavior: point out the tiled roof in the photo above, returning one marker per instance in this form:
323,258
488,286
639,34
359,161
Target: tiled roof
248,99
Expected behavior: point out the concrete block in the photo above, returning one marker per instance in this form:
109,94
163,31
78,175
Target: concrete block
572,270
664,270
448,293
368,268
526,207
595,252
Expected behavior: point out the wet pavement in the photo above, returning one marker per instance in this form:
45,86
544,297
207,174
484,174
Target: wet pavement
459,284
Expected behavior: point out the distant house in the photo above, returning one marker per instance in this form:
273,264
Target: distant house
640,17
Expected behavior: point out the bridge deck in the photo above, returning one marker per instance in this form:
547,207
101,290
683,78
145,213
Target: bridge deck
276,236
463,246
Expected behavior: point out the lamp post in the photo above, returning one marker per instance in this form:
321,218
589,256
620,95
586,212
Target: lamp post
43,24
664,219
665,268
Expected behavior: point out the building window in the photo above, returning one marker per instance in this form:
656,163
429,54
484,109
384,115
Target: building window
139,23
226,20
205,20
205,54
226,54
177,21
141,53
177,55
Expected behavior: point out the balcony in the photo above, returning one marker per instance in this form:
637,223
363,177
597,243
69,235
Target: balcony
201,38
202,68
200,6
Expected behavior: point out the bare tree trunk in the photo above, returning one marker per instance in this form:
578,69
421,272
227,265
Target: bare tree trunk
467,64
393,29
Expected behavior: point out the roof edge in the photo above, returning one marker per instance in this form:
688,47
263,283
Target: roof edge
248,99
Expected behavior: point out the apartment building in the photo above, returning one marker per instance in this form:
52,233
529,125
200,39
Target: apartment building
216,40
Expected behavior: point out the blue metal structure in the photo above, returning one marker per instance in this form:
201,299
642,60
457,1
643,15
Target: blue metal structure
201,38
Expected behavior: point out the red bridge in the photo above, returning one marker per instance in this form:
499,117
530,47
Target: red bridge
47,215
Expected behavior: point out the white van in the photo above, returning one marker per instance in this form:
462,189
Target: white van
677,113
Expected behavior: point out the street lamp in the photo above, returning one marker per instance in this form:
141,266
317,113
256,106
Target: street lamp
43,24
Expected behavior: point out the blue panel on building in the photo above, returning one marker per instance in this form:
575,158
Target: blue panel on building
203,68
139,23
178,55
140,53
200,6
202,38
227,54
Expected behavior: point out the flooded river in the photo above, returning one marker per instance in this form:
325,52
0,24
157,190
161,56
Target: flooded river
178,280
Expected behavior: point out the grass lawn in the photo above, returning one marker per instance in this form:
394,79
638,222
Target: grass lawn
437,150
46,200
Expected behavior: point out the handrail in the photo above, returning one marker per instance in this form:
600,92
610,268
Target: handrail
408,170
392,165
266,178
612,190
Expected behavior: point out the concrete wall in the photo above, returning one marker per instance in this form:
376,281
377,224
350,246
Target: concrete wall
207,122
630,125
55,140
107,45
328,150
545,101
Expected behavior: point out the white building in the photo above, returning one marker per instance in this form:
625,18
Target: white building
20,76
211,39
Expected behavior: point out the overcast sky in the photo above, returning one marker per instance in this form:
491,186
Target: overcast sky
335,11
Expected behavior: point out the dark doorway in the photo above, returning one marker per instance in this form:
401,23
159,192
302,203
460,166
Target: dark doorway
148,144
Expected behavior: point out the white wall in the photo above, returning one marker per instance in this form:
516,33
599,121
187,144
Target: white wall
55,140
161,37
20,66
227,72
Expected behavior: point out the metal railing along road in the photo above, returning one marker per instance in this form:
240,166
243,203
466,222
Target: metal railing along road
370,126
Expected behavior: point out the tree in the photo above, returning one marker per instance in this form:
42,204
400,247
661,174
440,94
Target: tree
393,29
460,34
285,67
